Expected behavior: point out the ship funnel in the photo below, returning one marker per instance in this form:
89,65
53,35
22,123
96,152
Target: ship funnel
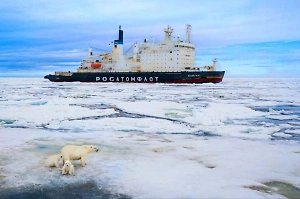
120,40
118,44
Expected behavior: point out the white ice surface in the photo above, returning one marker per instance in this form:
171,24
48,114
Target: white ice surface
282,117
283,135
294,131
162,151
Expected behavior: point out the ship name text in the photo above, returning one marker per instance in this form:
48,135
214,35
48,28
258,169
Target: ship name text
127,79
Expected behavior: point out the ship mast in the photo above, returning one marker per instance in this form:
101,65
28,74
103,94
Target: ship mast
90,53
188,33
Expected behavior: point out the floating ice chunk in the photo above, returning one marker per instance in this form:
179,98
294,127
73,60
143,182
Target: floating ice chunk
282,117
276,111
157,108
38,103
43,115
294,123
285,126
242,131
271,110
283,135
62,93
145,125
295,131
217,113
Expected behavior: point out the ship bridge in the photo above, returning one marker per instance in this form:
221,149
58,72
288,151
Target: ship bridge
168,55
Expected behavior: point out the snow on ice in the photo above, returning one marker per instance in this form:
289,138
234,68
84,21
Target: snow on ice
156,141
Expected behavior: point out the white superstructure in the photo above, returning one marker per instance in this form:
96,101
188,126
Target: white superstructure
169,55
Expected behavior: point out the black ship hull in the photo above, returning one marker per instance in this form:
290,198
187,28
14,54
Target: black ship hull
197,77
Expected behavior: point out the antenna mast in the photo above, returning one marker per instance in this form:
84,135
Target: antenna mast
168,33
188,33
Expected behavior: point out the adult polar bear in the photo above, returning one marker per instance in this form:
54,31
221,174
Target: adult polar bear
73,152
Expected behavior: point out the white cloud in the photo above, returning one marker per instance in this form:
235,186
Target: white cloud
63,30
220,21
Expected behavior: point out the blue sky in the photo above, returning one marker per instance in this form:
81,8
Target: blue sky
250,38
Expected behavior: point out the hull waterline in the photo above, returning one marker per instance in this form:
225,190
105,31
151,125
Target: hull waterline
142,77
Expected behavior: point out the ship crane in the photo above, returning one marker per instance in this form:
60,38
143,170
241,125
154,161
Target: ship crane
209,68
99,55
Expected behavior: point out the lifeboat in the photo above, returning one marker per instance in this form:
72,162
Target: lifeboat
96,65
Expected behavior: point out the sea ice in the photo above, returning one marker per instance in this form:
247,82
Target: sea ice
155,140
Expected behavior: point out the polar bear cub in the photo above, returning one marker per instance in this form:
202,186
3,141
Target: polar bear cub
68,168
53,160
72,152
